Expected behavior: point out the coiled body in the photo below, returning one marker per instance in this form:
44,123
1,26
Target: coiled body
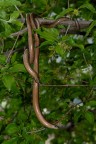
34,59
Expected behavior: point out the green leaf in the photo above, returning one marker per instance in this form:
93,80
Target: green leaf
64,12
11,141
8,81
89,7
89,117
13,58
11,128
8,29
15,104
45,43
59,50
18,68
77,115
2,14
81,46
14,16
93,24
18,23
2,59
72,42
91,103
41,142
49,34
41,2
8,3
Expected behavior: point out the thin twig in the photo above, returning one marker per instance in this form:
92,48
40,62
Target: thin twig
36,131
63,85
22,17
67,30
11,51
21,32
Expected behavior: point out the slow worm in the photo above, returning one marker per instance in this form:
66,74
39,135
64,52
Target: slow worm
30,40
35,71
28,68
57,22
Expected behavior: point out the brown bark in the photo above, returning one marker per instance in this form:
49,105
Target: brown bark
74,25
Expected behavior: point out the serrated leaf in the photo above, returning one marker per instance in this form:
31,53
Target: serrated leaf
8,29
59,50
11,128
91,103
41,142
40,4
88,6
81,46
77,115
64,12
11,141
45,43
18,23
8,3
2,59
14,16
90,28
49,34
8,81
72,42
89,117
2,14
15,103
13,57
18,68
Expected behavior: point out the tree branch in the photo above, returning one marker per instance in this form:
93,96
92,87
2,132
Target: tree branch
75,25
21,32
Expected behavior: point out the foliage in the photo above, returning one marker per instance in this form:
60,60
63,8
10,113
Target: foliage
64,59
